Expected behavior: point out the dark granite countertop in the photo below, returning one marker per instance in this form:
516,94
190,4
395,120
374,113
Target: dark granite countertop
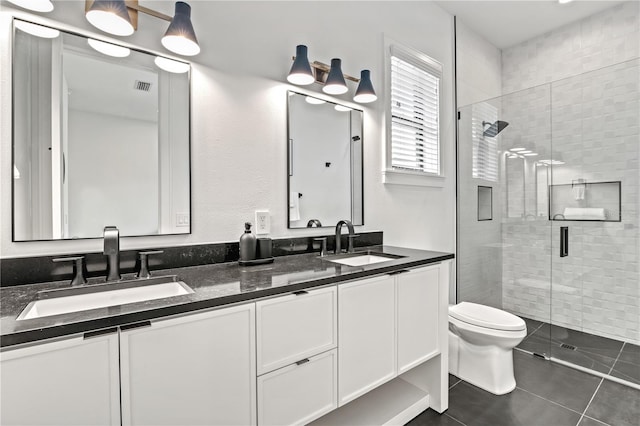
214,285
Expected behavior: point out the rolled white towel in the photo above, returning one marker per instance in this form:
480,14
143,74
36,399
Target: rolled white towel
294,205
584,213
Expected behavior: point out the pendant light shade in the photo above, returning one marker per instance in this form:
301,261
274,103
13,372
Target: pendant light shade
35,5
335,84
365,93
301,72
110,16
180,37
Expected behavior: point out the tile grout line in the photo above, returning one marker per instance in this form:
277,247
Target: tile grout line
590,401
450,387
454,419
548,400
617,358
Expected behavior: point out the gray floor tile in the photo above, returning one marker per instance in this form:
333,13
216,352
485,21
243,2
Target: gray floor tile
627,371
586,421
475,407
566,386
432,418
615,404
628,364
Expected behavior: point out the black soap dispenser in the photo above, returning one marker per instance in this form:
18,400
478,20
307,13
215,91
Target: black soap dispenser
247,244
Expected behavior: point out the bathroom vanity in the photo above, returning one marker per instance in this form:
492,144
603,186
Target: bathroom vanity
305,339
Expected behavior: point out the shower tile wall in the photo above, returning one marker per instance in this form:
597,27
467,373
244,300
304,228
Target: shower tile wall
594,121
604,39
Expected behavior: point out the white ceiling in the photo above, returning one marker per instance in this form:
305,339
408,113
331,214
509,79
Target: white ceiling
507,23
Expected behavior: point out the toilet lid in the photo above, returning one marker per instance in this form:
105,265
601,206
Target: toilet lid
486,316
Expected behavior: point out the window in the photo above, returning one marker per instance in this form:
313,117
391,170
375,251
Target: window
413,139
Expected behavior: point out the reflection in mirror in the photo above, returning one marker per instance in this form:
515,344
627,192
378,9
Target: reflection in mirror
100,137
325,162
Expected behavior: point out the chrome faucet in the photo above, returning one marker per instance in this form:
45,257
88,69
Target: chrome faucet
112,250
351,236
315,222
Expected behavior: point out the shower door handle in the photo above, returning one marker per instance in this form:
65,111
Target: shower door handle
564,241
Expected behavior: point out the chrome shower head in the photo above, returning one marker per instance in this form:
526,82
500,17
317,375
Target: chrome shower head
494,128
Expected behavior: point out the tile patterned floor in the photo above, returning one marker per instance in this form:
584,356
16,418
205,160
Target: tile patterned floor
547,394
608,356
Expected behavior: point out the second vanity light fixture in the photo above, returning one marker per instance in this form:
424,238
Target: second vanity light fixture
331,77
120,17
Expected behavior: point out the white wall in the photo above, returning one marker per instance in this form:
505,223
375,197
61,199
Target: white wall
239,115
478,67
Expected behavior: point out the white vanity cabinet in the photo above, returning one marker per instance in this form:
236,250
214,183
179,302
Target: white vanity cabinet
297,356
198,369
73,381
366,330
417,319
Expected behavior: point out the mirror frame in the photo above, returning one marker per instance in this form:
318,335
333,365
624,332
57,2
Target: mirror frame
65,29
289,164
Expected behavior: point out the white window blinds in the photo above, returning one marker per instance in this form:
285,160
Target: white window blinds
415,90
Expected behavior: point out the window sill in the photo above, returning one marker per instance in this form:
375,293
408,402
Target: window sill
395,177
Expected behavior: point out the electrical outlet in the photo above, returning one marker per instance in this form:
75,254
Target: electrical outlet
182,219
263,222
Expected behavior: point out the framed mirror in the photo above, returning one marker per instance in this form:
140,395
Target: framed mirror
325,183
100,137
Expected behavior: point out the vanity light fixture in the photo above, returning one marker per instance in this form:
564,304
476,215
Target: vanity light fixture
301,73
530,154
37,30
34,5
330,76
120,17
109,49
110,16
564,1
335,84
170,65
365,92
518,149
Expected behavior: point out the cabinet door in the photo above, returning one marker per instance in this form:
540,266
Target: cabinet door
295,326
194,370
68,382
417,316
366,333
299,393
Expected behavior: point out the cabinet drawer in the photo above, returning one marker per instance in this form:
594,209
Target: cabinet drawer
299,393
296,326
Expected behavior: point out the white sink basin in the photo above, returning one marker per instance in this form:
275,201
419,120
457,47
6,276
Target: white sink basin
364,259
78,299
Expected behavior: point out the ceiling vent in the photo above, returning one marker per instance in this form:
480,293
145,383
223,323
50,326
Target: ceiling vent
144,86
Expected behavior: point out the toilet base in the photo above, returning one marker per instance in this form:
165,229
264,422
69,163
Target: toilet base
487,367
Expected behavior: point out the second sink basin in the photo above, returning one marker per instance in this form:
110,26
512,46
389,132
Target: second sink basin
56,302
362,259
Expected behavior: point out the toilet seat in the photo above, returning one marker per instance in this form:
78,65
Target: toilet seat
486,317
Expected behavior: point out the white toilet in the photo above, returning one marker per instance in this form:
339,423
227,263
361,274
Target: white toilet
481,342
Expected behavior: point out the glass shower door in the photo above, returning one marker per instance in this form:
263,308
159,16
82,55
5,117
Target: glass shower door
594,200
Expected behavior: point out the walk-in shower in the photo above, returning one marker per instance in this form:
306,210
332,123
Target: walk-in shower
553,171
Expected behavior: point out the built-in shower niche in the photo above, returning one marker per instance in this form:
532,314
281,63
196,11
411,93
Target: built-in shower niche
585,201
